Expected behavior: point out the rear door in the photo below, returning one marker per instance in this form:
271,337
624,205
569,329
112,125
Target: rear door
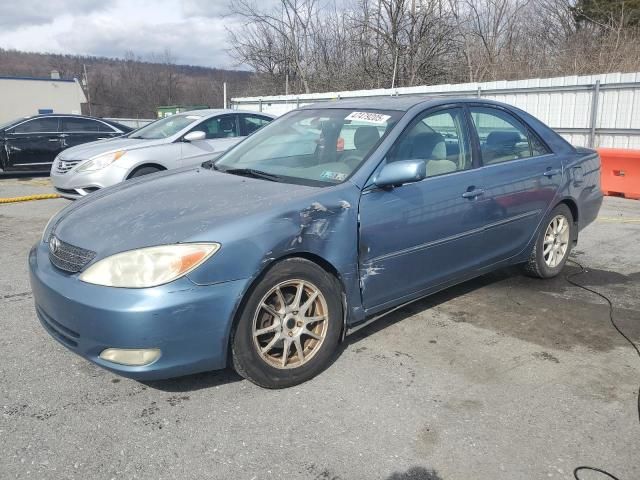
520,175
221,133
76,131
33,144
419,235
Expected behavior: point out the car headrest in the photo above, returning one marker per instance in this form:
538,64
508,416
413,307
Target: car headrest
227,124
365,137
429,146
503,139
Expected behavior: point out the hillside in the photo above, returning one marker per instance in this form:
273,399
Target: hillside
131,87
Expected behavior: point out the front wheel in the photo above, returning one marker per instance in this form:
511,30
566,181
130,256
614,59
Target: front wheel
289,327
553,244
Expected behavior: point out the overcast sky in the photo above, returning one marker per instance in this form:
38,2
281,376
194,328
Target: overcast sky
193,30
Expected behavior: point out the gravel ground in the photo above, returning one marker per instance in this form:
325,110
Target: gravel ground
502,377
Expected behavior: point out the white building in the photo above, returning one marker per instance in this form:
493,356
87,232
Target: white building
25,96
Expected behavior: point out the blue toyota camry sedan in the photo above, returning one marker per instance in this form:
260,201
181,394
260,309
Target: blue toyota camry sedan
325,219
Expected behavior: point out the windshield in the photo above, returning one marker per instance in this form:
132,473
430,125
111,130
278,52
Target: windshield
315,147
164,127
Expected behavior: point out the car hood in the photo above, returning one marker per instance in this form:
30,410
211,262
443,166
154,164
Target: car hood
170,207
92,149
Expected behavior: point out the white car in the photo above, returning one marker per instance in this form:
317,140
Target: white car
181,140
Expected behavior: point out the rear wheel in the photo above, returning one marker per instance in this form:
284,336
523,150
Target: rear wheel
139,172
289,327
553,244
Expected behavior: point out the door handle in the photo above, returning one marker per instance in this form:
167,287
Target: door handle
476,192
550,172
54,139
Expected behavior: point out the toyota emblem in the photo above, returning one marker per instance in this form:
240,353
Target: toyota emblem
54,244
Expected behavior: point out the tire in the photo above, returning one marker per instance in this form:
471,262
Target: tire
259,357
547,261
139,172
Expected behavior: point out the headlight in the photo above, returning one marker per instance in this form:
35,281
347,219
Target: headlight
100,162
47,231
149,267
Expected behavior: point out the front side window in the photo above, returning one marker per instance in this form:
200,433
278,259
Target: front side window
438,138
218,127
80,125
165,127
321,146
502,137
38,125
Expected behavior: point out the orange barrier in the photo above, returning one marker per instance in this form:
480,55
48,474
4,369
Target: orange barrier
620,175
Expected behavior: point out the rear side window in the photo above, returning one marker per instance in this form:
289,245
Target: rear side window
80,125
439,139
502,137
38,125
251,123
105,128
218,127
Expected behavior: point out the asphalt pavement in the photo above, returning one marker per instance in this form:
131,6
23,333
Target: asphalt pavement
503,377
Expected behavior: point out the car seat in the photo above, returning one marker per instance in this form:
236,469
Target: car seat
364,138
431,147
500,146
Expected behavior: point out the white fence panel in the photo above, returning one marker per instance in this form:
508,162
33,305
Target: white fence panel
564,103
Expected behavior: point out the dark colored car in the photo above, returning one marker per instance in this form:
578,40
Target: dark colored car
326,218
32,143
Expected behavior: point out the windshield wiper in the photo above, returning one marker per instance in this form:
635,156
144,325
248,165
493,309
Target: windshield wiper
250,172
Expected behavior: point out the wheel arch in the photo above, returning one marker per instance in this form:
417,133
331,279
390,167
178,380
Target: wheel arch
573,207
133,170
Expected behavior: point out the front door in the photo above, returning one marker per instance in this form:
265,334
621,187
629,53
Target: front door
221,133
419,235
521,177
33,144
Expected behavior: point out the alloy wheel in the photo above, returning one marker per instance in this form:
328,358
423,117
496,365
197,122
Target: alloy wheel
290,324
556,241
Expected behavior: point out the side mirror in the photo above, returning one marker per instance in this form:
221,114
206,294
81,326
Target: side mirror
400,172
194,136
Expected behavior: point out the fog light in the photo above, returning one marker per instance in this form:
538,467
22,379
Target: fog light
134,356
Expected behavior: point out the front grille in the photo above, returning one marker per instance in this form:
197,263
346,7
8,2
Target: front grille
63,166
68,257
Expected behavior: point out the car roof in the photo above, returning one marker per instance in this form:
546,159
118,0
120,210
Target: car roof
400,103
211,112
71,115
16,121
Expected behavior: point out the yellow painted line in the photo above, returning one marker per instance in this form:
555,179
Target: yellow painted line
618,220
42,196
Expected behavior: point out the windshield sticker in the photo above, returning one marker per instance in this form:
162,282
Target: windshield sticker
370,117
336,176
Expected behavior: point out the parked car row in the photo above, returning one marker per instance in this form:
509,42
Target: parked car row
85,154
325,219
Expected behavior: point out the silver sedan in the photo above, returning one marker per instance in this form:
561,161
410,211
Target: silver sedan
181,140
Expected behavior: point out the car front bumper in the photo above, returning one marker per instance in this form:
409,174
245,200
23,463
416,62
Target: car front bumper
189,323
74,185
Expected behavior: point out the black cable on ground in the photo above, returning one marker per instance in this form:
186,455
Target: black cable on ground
569,279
